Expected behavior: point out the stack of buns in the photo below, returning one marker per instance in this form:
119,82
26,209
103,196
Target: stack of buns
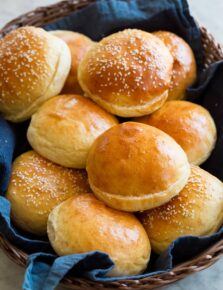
94,181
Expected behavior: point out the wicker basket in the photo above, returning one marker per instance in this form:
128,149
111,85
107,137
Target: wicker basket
212,52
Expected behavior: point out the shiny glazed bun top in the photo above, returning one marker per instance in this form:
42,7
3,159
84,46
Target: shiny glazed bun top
33,67
135,167
65,127
37,186
189,124
184,64
128,73
196,211
84,224
78,44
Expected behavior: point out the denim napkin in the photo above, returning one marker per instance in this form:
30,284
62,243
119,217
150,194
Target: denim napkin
44,269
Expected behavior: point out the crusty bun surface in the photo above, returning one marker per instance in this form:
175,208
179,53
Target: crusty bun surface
184,64
189,124
79,44
33,68
37,186
134,167
196,211
83,224
128,73
65,127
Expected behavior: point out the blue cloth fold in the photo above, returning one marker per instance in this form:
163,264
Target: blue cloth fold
45,270
208,92
7,146
105,17
28,243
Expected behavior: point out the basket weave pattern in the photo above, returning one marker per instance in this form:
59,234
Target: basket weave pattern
212,52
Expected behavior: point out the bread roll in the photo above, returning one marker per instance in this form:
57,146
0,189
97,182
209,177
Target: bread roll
134,167
84,224
196,211
33,68
128,73
37,186
79,44
189,124
184,64
65,127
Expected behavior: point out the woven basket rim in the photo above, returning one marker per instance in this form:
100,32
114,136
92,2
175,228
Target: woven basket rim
213,51
207,254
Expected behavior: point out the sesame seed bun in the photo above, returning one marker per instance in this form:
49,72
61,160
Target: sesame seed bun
134,167
196,211
128,73
78,44
65,127
84,224
37,186
33,68
184,64
189,124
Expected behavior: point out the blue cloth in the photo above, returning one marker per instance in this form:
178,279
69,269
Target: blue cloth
208,92
28,243
105,17
45,269
7,145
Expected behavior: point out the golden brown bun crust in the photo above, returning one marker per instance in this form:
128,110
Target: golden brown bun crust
82,224
37,186
135,167
197,211
33,67
190,125
184,65
128,73
79,44
65,127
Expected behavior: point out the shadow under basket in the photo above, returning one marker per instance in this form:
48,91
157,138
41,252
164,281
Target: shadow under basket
212,52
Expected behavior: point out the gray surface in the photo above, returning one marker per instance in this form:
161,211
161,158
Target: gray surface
208,13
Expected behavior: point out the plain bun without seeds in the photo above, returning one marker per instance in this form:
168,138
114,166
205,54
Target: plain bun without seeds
84,224
78,44
184,64
134,167
65,127
189,124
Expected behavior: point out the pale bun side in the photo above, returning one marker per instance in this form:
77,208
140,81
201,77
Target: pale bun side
128,73
37,186
84,224
184,64
78,44
196,211
134,167
189,124
33,68
65,127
